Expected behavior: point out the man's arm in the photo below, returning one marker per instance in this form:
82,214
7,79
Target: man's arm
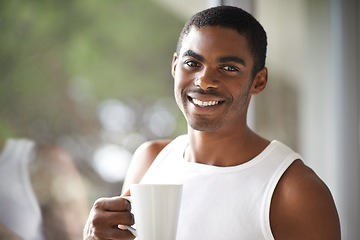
108,213
302,207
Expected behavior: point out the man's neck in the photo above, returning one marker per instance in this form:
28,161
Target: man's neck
224,149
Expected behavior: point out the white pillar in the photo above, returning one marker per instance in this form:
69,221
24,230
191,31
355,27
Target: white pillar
346,36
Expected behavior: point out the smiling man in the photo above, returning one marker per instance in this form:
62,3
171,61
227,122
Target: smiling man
237,185
212,82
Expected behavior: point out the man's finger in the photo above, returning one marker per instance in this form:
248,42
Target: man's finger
115,204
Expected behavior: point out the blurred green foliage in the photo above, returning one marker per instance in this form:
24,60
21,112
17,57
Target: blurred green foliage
59,59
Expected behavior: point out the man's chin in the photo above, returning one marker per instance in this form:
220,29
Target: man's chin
205,126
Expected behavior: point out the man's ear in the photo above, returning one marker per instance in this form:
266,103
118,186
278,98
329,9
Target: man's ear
259,82
174,63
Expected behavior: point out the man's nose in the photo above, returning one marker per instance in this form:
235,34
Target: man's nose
207,79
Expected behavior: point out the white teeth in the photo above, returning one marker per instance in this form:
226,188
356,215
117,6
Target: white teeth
204,104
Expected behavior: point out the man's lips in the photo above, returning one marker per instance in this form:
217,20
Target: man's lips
203,98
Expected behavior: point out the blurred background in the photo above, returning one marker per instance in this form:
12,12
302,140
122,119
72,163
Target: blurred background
93,77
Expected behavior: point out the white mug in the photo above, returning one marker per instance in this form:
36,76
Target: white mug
156,210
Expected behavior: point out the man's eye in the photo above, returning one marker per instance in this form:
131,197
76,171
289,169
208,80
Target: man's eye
191,63
230,68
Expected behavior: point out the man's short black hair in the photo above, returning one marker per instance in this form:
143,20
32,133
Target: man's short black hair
234,18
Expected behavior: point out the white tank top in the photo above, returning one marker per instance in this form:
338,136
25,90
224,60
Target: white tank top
19,210
223,202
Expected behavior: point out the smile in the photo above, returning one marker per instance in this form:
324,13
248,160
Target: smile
204,103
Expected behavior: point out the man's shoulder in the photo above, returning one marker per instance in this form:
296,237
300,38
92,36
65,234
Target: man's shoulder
152,148
303,205
299,181
142,159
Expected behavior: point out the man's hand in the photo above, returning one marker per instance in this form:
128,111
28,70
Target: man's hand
105,217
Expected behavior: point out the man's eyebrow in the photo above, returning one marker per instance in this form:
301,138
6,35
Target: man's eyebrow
232,59
194,55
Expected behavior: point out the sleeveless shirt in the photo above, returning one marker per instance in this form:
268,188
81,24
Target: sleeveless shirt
222,202
19,210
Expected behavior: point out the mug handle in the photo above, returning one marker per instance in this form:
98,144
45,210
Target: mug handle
131,229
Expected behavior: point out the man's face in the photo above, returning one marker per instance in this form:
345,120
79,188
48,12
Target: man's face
212,76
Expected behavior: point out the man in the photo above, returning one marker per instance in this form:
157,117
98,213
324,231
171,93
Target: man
237,185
